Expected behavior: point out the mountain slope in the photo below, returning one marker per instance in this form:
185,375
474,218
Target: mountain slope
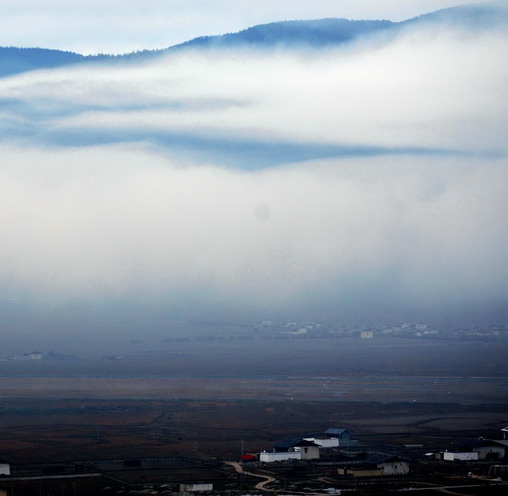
286,34
14,60
315,33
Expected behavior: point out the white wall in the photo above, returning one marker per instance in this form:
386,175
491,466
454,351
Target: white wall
324,443
471,455
309,452
273,456
191,488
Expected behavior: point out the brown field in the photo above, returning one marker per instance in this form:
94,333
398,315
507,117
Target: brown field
203,399
54,419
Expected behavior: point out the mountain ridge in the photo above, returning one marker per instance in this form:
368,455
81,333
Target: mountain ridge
317,33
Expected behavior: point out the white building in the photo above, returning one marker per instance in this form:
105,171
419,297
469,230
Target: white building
35,355
460,456
279,456
324,443
5,468
196,487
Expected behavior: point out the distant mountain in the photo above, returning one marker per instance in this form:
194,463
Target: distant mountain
475,16
316,33
14,60
286,34
331,32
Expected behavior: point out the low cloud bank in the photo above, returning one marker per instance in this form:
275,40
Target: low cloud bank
431,88
132,183
101,223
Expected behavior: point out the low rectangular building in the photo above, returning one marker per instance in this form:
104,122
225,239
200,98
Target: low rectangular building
460,456
377,464
361,471
5,468
279,456
324,443
196,487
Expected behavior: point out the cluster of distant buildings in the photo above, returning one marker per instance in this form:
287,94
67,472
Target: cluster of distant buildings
405,329
34,355
481,449
311,448
352,459
306,448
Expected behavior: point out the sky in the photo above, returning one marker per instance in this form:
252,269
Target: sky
120,26
364,182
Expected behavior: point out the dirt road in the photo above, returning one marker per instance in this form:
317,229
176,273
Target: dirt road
260,485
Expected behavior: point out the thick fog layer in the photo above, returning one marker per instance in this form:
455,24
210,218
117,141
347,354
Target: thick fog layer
366,181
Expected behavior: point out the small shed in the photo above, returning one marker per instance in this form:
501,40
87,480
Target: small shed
279,456
375,465
363,470
196,487
5,468
453,456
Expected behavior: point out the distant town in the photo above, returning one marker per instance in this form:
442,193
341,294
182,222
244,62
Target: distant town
273,330
269,329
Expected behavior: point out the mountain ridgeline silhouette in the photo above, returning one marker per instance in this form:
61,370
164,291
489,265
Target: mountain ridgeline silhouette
14,60
315,34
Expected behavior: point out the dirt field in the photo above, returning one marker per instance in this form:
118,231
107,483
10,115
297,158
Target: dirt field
60,429
207,400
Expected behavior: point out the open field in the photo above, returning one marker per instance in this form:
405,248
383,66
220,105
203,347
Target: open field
203,399
63,429
389,388
245,353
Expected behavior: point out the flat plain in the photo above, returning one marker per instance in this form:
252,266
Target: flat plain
208,400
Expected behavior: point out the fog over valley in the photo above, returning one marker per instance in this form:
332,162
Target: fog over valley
361,181
253,246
